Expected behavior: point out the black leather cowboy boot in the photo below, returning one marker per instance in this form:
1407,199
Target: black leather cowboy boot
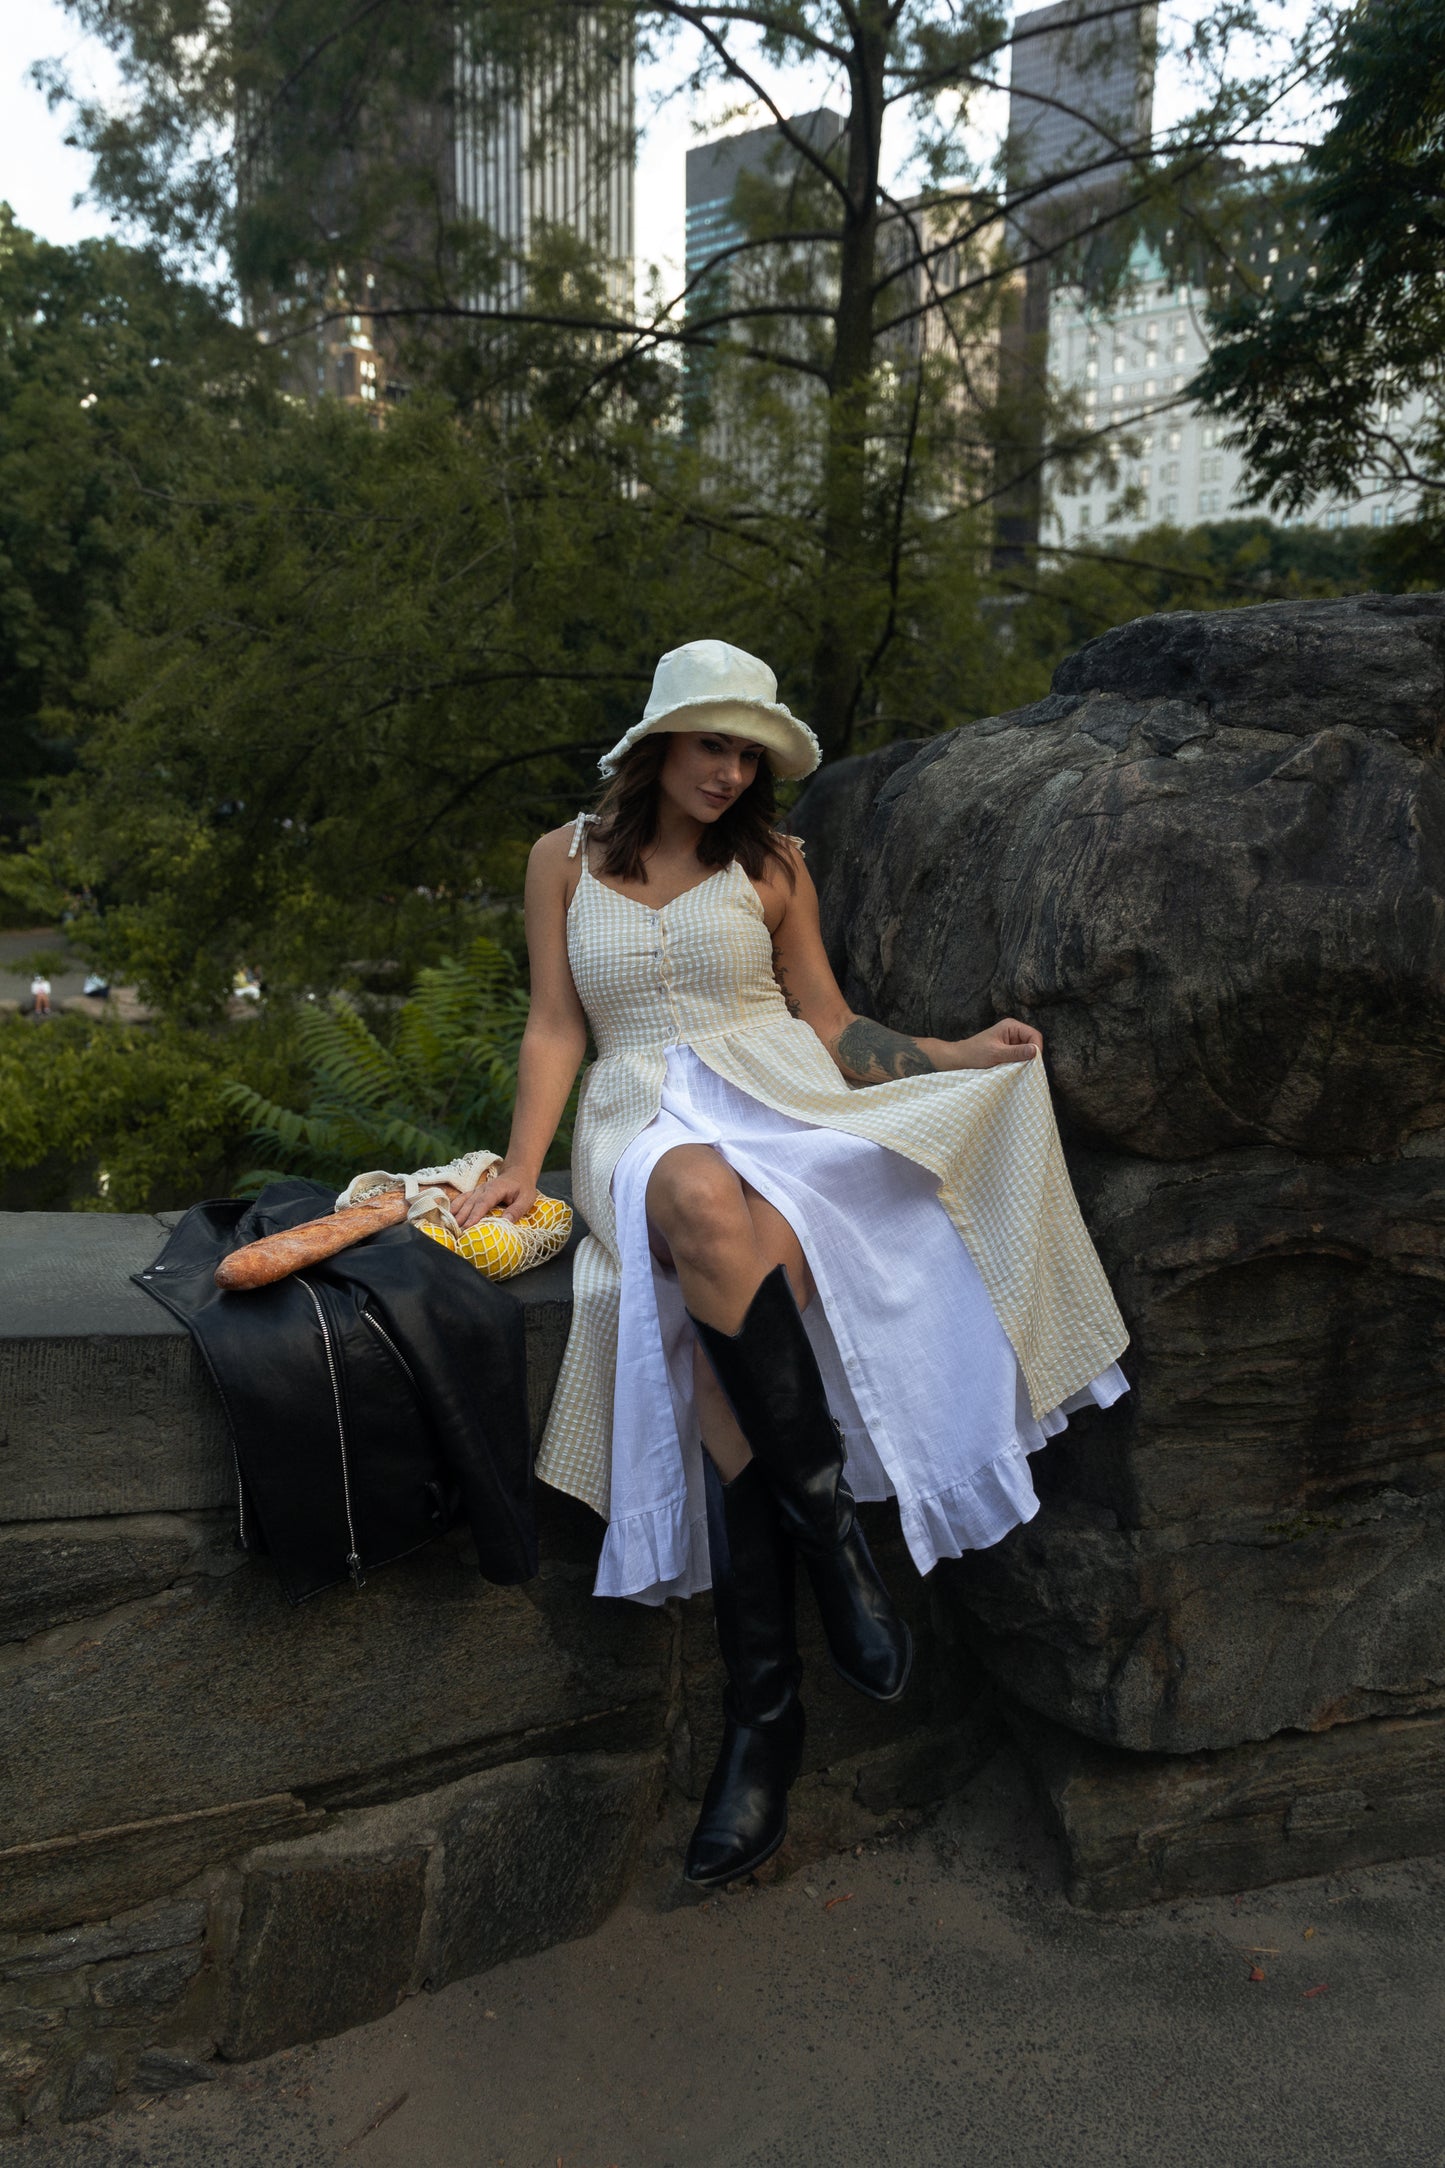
744,1814
770,1375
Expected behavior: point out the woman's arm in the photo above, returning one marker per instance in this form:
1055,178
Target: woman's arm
867,1052
553,1043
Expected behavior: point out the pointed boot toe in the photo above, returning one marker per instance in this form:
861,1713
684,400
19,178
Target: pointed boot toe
744,1814
869,1643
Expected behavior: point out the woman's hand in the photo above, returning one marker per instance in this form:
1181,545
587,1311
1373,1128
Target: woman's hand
510,1195
1008,1040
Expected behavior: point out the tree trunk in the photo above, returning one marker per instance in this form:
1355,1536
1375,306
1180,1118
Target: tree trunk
845,572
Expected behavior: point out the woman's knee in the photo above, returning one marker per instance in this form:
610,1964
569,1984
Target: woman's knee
696,1203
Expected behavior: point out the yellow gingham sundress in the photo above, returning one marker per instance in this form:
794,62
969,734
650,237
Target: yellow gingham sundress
698,973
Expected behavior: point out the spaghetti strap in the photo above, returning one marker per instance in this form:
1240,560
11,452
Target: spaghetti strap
579,830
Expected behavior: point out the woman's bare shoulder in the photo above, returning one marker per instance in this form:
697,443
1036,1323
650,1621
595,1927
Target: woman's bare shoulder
791,871
554,849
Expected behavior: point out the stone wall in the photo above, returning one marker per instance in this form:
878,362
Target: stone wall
228,1824
1210,866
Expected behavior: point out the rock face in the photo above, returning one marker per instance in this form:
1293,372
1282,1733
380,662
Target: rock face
1210,866
1220,891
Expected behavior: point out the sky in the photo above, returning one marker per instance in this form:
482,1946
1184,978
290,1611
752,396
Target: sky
40,176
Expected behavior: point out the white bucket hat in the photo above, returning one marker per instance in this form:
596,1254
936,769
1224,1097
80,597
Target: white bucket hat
709,685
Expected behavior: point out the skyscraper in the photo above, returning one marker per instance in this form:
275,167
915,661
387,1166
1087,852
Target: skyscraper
1081,96
517,148
1081,103
714,170
552,146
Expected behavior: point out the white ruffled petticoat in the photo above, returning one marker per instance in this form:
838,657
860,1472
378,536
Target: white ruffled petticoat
919,1372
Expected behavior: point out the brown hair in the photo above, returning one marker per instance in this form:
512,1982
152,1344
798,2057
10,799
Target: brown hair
627,819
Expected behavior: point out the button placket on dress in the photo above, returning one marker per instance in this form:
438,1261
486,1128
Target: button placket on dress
665,985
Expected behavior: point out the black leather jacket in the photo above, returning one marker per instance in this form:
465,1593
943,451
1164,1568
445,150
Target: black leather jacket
371,1400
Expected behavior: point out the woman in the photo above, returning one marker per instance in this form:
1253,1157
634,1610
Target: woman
786,1275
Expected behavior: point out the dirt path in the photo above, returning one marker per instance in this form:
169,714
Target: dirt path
933,2003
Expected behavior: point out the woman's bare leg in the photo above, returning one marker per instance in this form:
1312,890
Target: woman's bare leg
722,1239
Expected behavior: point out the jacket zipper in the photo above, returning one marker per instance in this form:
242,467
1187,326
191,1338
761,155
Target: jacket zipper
405,1367
353,1556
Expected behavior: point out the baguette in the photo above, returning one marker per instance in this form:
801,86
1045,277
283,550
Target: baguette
259,1264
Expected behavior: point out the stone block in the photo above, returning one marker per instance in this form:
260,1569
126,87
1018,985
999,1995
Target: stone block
337,1927
52,1571
54,1881
327,1936
1140,1827
534,1853
89,2089
162,1926
426,1671
107,1405
146,1986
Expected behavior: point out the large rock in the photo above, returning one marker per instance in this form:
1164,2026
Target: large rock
1138,1827
1211,867
1224,907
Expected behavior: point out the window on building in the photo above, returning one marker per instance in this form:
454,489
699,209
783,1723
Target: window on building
1145,476
1085,515
1209,435
1146,442
1169,509
1176,438
1169,473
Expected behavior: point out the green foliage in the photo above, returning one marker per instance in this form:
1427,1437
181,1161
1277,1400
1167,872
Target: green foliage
103,355
136,1118
439,1083
50,961
1320,373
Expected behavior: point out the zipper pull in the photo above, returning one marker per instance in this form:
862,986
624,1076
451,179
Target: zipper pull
358,1578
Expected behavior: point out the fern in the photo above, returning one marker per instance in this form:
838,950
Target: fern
443,1083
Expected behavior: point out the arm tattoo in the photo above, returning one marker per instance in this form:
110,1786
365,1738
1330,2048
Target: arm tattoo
870,1053
782,978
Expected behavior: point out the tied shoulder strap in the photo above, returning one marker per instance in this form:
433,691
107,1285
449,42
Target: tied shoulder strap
579,830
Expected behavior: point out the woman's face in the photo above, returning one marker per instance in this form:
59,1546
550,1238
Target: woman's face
702,773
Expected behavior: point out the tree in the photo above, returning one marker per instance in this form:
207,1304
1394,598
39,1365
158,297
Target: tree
1333,376
103,353
340,172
